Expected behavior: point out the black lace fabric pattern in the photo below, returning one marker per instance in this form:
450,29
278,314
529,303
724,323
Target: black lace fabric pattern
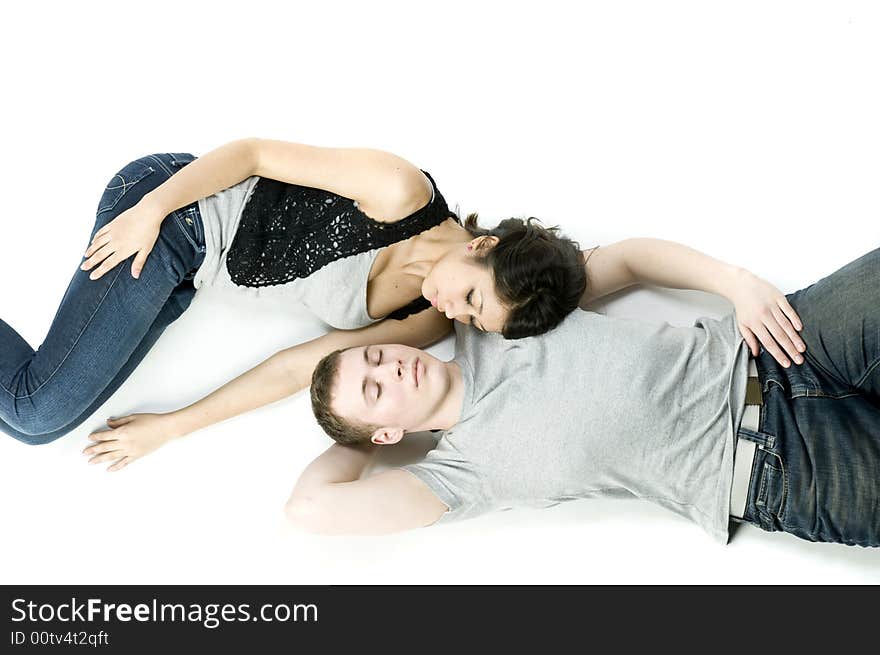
289,231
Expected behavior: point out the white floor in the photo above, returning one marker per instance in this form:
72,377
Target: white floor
749,134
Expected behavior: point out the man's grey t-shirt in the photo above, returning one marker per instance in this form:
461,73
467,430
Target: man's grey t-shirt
599,406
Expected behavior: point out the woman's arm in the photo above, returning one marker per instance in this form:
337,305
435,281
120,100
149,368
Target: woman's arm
329,497
214,171
380,181
280,376
654,261
386,187
763,312
674,265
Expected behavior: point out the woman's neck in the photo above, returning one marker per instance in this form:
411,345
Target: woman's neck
417,255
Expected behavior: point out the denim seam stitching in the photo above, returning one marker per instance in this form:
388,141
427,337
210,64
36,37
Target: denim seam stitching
762,504
759,501
125,186
867,373
186,235
162,164
78,337
193,211
818,393
809,357
757,436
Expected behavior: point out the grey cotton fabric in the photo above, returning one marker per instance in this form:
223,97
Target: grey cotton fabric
335,293
598,407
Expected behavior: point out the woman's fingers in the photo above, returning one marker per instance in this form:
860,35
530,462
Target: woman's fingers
103,435
770,345
138,264
122,420
785,334
750,340
795,321
122,463
781,342
100,255
108,456
102,447
97,242
108,265
792,315
104,230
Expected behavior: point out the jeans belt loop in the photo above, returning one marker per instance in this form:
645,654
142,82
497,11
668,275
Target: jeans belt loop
744,455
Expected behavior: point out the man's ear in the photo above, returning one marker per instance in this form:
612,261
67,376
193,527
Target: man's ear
387,436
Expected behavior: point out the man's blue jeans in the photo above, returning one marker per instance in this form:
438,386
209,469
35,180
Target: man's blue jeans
816,472
105,327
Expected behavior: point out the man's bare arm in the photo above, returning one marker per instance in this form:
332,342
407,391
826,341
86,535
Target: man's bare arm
329,497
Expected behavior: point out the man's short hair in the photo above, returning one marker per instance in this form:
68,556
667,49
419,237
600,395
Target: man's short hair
343,431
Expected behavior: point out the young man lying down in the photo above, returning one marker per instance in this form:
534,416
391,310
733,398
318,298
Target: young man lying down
598,407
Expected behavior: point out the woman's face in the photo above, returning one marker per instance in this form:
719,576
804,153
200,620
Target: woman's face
463,288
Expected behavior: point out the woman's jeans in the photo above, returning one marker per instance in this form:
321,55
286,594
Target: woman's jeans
104,327
816,472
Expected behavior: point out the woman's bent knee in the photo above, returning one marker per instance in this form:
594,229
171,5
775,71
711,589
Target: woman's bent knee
39,428
32,439
40,439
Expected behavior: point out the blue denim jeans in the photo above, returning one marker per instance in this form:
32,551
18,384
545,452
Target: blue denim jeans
816,472
105,327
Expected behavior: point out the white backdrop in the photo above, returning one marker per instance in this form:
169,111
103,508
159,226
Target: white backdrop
746,130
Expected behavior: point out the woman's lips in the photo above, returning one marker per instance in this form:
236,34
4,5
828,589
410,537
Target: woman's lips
434,301
417,373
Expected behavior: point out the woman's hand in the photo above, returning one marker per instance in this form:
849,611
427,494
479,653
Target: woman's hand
130,438
764,314
133,232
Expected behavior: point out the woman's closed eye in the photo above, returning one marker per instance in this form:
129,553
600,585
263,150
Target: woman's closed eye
472,321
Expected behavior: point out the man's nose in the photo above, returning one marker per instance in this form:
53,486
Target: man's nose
394,370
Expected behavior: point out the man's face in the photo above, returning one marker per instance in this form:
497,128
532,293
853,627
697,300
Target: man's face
391,386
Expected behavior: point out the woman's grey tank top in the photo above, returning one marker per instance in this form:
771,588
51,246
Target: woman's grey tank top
336,292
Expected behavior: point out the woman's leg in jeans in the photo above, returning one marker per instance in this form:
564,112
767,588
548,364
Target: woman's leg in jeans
95,337
180,299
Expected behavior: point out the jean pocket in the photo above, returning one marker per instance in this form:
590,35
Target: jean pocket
178,160
772,490
122,182
190,224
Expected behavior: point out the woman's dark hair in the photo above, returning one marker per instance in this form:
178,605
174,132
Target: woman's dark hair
539,274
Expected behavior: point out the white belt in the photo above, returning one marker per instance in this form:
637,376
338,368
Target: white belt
744,456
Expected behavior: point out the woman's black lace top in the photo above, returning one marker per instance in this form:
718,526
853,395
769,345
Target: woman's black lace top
288,231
